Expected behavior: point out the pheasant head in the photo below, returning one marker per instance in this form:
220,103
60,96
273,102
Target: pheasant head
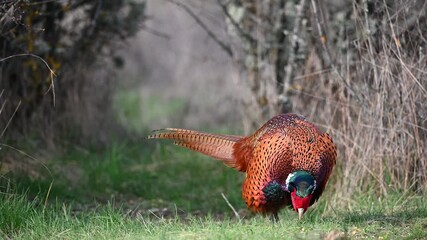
301,185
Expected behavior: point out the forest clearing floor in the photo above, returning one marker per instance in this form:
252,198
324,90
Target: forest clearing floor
144,190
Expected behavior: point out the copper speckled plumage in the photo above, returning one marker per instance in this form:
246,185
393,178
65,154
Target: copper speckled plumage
279,160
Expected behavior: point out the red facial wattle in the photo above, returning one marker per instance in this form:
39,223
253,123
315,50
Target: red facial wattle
298,202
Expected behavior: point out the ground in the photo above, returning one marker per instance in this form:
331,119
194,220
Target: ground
164,192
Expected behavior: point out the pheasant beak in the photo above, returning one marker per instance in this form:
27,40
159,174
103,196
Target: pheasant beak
300,204
300,213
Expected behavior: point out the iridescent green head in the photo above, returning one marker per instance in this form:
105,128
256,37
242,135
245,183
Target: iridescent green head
302,182
301,185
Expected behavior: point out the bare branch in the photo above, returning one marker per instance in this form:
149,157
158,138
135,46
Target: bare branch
190,12
156,32
326,50
413,19
6,1
244,34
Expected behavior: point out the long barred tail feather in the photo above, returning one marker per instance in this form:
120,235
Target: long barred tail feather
218,146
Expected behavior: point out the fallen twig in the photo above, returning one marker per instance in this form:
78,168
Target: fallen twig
231,206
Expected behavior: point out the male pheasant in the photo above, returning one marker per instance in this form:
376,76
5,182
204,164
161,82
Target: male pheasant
287,161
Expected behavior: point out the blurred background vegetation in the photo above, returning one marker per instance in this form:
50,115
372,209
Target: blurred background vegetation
358,69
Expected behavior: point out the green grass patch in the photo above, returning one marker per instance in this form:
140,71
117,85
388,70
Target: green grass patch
23,219
158,191
157,175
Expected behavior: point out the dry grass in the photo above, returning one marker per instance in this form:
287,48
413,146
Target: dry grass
381,131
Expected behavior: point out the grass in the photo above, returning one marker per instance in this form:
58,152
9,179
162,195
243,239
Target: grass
163,192
155,176
21,219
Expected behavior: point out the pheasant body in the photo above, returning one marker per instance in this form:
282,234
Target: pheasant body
287,161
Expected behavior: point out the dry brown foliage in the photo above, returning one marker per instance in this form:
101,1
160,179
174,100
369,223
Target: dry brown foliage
381,132
359,70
